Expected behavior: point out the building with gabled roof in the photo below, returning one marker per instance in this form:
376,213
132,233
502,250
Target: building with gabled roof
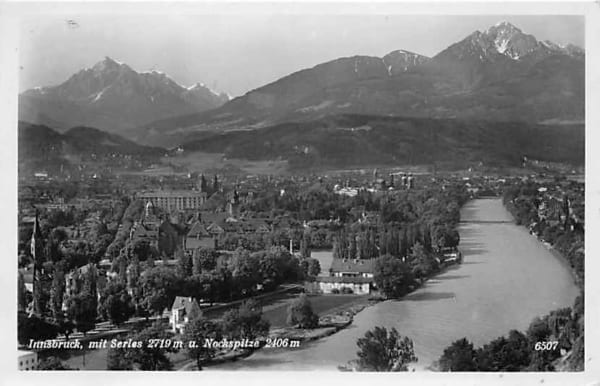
183,310
352,268
199,237
355,275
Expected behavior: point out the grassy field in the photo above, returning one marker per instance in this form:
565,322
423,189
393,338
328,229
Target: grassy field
197,160
276,313
274,310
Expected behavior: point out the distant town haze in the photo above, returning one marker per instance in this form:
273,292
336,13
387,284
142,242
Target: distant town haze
237,53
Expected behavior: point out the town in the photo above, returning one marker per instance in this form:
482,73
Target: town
112,256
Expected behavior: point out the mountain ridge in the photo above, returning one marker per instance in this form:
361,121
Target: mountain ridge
42,148
113,96
476,77
497,74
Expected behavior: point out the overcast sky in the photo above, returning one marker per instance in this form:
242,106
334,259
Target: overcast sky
236,53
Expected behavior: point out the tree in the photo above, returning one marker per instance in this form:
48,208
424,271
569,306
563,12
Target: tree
117,359
197,331
422,262
133,276
380,350
64,326
56,294
53,363
185,265
245,322
311,267
204,259
116,303
101,245
273,266
21,292
305,245
32,327
81,309
540,331
459,356
245,270
215,184
157,289
505,354
143,250
352,247
392,276
90,279
203,184
148,357
300,313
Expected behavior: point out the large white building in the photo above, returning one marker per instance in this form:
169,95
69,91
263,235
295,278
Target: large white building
355,275
174,199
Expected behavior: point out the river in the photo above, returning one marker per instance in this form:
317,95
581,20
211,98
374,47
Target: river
506,279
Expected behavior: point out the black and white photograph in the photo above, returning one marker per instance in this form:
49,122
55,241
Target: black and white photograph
272,188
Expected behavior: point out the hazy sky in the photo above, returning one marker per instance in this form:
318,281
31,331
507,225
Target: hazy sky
236,53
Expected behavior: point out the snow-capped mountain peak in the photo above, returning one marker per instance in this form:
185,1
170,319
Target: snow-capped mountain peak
504,40
108,64
111,88
510,41
196,86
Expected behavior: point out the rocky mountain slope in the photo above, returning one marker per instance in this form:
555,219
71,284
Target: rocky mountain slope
499,74
112,96
358,140
43,148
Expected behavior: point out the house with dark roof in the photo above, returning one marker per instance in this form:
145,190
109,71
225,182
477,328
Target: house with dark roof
352,275
141,231
352,268
183,310
199,237
255,225
215,229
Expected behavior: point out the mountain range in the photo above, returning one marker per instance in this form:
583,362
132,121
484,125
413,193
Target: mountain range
492,83
112,96
500,74
353,140
43,148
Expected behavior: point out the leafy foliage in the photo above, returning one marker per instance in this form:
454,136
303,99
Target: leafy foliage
196,332
53,363
300,313
459,356
81,309
115,303
32,327
245,322
147,358
383,350
393,277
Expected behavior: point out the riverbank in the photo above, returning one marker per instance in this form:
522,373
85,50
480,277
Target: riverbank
336,319
560,256
562,259
506,279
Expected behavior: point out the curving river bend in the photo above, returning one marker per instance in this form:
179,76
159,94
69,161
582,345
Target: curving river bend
507,278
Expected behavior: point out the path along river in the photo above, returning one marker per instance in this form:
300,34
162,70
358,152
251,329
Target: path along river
507,278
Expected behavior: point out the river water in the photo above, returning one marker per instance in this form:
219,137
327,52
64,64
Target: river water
506,279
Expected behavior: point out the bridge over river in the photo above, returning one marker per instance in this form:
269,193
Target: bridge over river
506,279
